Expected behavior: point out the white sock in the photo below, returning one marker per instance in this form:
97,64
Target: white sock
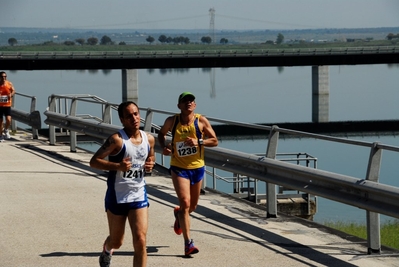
106,250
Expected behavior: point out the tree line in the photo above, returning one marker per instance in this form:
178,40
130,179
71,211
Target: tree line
163,39
106,40
392,36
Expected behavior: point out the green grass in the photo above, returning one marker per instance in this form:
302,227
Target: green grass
389,231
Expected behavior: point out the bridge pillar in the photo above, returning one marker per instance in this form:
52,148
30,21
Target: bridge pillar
320,93
130,88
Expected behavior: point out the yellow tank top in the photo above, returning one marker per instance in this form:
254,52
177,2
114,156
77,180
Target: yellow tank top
186,157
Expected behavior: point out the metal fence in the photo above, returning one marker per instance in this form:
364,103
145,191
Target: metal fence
31,118
367,194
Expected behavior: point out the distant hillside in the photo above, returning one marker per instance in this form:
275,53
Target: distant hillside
28,36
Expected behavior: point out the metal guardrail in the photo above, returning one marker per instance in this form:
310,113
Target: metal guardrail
31,118
367,194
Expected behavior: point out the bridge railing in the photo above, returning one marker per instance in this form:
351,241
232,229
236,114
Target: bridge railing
31,117
365,193
198,53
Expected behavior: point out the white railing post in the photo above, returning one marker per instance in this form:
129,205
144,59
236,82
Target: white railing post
52,106
373,218
73,141
148,120
271,152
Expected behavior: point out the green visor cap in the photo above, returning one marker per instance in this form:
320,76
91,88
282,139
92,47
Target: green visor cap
183,95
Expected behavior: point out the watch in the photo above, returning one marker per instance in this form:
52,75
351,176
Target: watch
200,141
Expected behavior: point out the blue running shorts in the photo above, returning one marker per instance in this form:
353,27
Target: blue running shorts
124,208
194,175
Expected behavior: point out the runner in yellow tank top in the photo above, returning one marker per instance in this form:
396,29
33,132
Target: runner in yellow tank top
185,156
191,133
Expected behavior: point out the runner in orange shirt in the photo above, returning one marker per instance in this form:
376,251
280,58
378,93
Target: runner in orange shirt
6,93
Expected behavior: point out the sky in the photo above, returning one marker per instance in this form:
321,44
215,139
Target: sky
190,14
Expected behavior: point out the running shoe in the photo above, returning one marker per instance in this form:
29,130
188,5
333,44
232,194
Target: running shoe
176,226
189,248
105,258
7,134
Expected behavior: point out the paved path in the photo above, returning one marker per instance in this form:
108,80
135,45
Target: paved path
52,215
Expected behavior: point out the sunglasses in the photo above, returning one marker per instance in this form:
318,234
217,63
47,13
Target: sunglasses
187,99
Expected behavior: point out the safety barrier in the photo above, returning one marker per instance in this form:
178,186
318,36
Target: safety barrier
31,118
367,194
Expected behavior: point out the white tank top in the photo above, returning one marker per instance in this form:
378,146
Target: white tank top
130,186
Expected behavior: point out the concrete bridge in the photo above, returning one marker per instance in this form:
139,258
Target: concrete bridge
49,60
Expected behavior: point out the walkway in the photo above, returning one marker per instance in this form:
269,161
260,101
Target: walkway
52,215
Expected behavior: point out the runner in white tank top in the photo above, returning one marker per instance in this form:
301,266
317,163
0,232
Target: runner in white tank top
126,154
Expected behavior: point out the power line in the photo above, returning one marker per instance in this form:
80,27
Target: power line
141,22
265,21
211,26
